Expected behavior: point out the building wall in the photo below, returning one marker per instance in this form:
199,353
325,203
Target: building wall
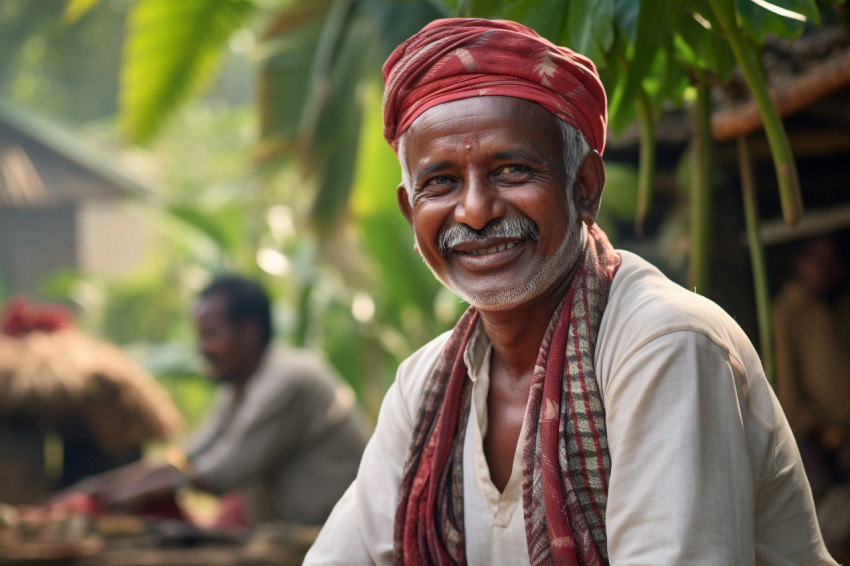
33,244
112,237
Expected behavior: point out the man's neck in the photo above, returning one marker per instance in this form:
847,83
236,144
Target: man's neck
516,334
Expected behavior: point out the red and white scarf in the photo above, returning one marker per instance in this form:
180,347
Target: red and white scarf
565,448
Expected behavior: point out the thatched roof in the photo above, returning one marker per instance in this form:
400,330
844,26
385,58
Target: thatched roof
67,375
801,74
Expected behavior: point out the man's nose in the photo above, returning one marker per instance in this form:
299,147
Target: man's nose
480,202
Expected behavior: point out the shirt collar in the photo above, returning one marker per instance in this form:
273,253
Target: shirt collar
476,356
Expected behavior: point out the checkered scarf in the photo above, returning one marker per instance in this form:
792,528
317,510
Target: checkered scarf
565,449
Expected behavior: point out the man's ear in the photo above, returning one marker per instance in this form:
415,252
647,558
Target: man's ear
590,179
404,204
406,211
250,331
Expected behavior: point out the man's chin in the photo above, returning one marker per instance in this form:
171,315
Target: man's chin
496,299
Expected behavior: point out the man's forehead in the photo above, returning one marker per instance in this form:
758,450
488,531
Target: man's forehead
494,123
214,304
508,108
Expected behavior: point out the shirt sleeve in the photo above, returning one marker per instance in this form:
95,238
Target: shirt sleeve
360,528
683,482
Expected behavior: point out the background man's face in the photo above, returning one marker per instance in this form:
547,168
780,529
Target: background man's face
225,346
490,210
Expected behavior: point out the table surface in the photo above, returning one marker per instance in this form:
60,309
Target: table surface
198,556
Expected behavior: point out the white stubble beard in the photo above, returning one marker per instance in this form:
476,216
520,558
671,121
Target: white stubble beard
545,273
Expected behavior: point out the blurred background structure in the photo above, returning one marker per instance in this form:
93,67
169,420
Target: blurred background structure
146,145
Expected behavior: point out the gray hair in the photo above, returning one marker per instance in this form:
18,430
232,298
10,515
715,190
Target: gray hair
575,149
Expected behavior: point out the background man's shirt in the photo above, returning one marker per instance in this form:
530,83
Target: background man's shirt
292,443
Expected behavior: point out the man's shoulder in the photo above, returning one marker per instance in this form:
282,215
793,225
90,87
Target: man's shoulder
285,366
644,304
413,372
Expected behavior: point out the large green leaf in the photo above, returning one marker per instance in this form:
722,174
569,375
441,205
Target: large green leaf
626,14
286,69
590,28
700,48
334,133
76,9
405,279
546,17
395,21
322,68
222,226
171,52
759,22
652,28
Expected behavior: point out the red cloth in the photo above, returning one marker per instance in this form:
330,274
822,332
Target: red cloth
457,58
19,318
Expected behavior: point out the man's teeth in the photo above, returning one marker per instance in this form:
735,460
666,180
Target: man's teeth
494,249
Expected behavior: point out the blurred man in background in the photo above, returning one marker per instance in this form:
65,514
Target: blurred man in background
811,317
283,433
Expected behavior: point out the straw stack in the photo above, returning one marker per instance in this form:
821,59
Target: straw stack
67,375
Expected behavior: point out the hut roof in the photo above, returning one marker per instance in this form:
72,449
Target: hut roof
48,163
800,73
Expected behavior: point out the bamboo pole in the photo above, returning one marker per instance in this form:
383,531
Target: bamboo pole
646,163
701,211
726,13
765,322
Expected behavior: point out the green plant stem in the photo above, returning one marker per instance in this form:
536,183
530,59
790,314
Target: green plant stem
701,208
646,165
302,329
765,322
780,148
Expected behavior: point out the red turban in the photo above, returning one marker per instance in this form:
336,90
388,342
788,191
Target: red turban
456,58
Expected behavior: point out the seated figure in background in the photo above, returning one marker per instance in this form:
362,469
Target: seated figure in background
811,317
284,431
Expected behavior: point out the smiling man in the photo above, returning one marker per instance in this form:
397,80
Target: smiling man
585,409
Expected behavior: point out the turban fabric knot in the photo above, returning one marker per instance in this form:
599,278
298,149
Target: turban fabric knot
455,58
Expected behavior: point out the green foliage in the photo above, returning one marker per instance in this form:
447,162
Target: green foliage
67,69
76,9
320,151
171,52
319,60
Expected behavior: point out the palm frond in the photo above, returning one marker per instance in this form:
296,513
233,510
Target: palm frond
171,52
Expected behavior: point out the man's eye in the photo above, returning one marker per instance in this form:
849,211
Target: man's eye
438,180
513,169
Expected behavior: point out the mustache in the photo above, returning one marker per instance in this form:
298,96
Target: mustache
514,228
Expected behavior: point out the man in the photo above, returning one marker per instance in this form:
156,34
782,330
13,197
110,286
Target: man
585,410
811,315
284,430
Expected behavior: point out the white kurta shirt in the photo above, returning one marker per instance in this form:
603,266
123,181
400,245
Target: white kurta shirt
704,469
